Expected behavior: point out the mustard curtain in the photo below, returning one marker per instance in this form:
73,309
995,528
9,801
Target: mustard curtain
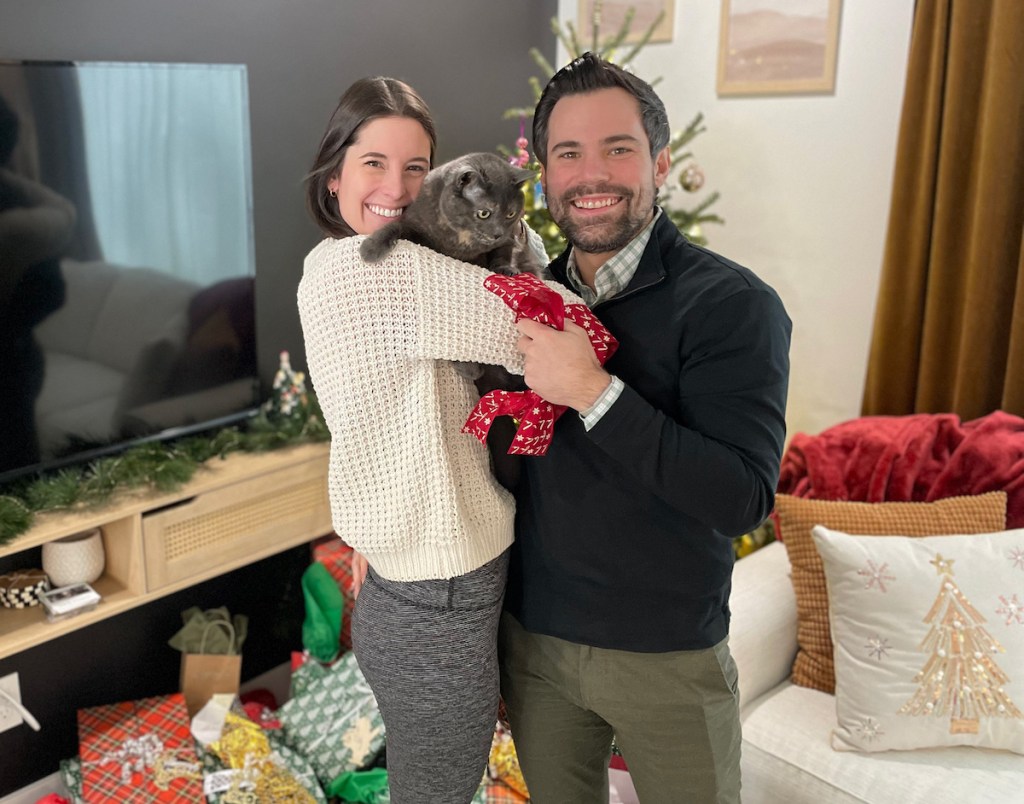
949,324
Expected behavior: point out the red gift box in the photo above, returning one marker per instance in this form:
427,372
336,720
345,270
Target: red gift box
334,554
139,751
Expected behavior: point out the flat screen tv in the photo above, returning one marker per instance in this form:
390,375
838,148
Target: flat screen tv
127,263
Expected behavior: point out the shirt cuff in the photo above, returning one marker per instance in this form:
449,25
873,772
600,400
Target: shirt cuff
592,415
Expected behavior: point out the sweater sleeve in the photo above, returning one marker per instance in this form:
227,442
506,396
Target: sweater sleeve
435,307
458,318
720,467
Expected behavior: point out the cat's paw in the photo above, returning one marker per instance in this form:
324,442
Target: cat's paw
471,371
374,248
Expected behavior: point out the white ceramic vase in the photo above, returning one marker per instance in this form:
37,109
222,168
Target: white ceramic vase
75,559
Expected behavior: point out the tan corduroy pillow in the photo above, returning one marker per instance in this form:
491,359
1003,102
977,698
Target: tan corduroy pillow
813,667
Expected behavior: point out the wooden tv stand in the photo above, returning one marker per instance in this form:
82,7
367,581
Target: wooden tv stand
233,512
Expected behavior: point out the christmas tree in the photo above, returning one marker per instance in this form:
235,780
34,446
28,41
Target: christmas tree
686,175
960,678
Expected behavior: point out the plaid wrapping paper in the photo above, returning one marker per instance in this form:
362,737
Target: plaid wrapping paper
334,721
119,744
334,554
495,792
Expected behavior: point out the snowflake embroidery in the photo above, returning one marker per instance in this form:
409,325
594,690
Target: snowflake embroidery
869,729
878,647
1016,555
1012,609
875,574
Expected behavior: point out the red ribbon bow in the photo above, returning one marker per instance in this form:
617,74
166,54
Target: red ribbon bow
531,298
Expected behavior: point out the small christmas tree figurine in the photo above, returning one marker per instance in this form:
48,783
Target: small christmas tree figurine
289,390
960,678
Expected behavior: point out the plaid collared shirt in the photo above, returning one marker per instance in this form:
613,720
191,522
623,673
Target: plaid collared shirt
610,279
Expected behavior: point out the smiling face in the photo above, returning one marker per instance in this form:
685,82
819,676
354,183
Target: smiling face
381,173
600,179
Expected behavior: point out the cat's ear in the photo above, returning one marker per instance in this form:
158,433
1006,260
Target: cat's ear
466,178
521,175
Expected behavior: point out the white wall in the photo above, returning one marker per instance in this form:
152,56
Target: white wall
805,184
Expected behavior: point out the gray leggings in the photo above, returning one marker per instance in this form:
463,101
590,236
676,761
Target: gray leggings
429,651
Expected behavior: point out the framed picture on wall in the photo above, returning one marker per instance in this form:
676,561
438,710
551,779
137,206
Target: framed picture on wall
613,12
778,47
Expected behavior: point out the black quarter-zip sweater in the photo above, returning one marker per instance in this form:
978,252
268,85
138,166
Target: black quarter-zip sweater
624,533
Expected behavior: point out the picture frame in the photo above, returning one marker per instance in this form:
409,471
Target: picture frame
614,11
778,47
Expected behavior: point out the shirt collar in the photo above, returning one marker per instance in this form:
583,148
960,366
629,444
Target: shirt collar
612,277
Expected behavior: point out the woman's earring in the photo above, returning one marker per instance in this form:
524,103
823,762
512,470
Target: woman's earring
334,193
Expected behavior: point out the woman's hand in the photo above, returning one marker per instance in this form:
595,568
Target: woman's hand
359,567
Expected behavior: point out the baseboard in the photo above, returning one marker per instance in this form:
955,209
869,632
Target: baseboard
36,790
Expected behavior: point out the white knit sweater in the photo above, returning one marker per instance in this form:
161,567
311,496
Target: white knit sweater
408,489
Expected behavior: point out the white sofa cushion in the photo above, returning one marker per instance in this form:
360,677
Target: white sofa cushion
762,631
787,759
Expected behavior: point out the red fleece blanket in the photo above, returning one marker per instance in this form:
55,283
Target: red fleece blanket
920,457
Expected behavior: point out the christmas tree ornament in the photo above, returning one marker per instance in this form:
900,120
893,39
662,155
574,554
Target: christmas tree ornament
691,178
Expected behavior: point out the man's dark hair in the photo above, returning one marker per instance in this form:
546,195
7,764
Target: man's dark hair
588,73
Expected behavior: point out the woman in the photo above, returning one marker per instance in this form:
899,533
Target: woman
408,490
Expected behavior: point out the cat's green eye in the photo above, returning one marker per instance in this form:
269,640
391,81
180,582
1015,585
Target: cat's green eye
512,214
483,214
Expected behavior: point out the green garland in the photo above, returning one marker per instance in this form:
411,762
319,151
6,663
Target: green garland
162,466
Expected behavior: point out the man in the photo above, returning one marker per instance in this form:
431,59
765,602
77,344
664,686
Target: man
616,614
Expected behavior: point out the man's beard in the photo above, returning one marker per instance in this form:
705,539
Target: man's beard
608,233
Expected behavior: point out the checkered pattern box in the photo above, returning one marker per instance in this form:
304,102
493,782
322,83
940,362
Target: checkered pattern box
334,554
122,744
21,590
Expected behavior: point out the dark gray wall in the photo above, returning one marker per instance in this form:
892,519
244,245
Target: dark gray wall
468,58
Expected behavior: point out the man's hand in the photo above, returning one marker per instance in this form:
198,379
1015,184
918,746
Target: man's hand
561,365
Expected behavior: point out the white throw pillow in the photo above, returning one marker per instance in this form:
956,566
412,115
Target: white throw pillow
929,639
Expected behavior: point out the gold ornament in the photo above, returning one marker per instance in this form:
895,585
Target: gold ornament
691,178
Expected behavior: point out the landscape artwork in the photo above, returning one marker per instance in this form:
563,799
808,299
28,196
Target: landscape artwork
778,46
612,14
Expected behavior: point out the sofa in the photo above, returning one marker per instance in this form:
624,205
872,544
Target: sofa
903,489
787,755
134,351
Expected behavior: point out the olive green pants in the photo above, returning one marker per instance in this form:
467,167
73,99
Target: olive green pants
675,717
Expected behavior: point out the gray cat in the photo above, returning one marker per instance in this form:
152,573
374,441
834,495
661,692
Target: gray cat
471,209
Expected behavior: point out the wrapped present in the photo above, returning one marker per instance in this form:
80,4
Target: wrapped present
245,763
334,554
139,751
334,722
21,590
503,764
496,792
71,777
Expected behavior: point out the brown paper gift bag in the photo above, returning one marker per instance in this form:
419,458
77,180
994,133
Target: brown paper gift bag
205,674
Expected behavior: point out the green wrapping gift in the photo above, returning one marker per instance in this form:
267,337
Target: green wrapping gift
334,722
71,776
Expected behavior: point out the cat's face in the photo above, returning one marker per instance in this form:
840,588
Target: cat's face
481,201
